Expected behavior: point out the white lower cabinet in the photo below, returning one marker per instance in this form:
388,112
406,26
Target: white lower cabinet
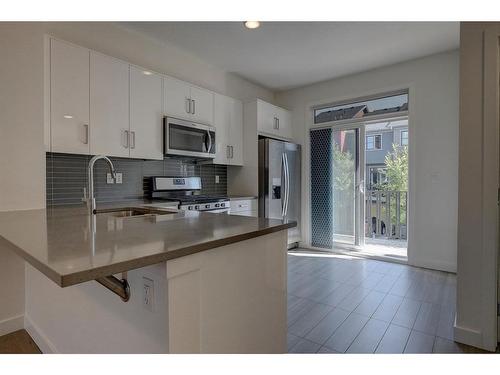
228,120
109,106
244,207
208,304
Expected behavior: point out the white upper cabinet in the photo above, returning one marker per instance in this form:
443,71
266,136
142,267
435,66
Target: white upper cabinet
202,105
109,106
273,120
97,104
186,101
228,120
266,117
176,97
146,140
222,119
69,98
236,132
284,123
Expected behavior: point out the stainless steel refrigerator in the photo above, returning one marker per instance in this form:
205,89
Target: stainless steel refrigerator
279,183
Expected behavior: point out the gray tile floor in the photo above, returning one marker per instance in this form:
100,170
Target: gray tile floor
339,304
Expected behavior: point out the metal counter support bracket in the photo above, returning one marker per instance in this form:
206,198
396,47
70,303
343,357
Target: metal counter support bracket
119,287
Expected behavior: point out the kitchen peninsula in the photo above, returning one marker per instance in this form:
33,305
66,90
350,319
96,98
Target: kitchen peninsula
199,282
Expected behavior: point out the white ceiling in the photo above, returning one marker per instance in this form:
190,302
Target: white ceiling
283,55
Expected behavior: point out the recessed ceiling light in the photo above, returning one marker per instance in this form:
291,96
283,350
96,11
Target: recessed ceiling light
146,73
252,24
68,116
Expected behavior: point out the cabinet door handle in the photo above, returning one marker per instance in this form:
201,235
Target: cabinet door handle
277,123
188,105
127,139
194,107
132,143
228,152
86,127
232,152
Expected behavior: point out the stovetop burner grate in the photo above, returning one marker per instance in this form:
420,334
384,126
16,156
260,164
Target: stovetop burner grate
196,199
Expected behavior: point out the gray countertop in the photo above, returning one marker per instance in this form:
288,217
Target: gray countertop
70,246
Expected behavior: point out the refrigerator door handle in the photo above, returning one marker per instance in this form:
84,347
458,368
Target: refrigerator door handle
283,188
287,184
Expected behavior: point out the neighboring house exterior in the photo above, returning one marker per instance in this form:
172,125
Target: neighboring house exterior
378,143
379,136
341,114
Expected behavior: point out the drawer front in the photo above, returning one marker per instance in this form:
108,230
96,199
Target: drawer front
245,213
243,205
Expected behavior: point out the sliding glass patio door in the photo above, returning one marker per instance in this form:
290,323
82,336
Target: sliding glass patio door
337,186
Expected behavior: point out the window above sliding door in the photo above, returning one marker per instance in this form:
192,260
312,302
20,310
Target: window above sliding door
387,105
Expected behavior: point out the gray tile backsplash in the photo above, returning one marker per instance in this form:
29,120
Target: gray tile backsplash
67,176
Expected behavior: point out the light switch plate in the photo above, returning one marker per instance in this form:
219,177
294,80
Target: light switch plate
119,178
216,179
109,179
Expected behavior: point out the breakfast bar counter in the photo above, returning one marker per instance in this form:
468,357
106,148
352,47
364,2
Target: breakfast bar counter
70,246
220,279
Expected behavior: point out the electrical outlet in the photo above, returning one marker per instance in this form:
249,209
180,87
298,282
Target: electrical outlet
109,179
216,179
148,293
119,178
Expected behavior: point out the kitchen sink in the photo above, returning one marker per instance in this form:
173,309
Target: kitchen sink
132,211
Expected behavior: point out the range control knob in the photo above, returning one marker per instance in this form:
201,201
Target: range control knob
207,206
190,207
196,207
223,205
217,205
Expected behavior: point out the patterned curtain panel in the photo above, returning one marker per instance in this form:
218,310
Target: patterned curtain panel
321,188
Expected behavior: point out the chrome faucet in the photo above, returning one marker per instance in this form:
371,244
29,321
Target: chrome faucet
91,199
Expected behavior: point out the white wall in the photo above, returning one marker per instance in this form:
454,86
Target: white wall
477,271
22,164
115,40
22,155
434,87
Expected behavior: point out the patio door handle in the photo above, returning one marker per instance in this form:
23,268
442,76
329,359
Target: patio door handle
361,186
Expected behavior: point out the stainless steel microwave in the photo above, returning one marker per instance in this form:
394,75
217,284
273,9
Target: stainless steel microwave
186,138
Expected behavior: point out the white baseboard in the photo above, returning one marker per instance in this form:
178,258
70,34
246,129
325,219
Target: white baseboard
469,336
11,324
438,266
40,339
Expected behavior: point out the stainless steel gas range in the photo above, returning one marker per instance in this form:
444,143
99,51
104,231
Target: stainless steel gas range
186,191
